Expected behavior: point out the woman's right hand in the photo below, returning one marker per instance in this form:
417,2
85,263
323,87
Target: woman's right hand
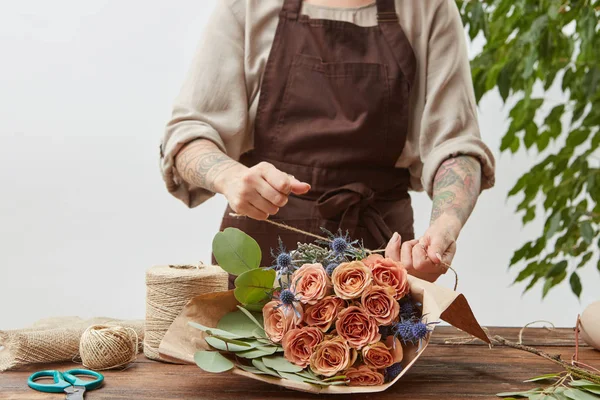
259,191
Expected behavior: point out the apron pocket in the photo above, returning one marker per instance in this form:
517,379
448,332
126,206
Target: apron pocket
331,105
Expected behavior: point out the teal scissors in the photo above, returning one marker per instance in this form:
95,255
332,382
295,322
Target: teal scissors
66,382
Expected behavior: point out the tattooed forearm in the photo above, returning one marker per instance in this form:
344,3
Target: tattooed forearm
201,162
456,188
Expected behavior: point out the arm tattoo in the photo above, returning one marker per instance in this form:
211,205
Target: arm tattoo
201,166
456,187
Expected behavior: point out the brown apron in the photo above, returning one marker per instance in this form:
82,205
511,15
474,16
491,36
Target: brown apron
333,112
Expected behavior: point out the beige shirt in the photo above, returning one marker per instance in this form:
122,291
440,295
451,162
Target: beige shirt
219,97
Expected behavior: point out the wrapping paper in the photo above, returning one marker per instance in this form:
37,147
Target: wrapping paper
181,340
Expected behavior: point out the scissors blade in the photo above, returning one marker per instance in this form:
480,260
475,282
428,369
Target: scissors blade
75,392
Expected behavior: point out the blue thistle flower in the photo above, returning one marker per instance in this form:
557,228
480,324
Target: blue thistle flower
403,329
393,371
329,269
419,330
413,329
284,263
341,245
287,297
407,309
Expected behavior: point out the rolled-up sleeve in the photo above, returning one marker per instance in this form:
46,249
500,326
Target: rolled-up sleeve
449,124
212,103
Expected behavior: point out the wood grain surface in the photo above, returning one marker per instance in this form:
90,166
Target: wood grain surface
444,372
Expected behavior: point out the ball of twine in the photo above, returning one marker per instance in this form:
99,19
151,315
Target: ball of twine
168,289
105,347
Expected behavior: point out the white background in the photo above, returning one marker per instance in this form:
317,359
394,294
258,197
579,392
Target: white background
85,90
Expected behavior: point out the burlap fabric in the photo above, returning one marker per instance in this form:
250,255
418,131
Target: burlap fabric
52,340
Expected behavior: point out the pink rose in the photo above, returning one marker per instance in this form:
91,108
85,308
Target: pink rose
311,283
377,355
350,279
298,344
332,356
357,327
324,312
379,302
279,320
387,272
364,376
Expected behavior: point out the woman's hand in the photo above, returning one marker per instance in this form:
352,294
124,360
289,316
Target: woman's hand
258,191
426,257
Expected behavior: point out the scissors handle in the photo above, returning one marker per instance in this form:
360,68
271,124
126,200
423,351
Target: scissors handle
58,386
64,380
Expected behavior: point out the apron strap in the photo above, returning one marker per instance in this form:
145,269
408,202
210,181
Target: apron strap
386,11
291,9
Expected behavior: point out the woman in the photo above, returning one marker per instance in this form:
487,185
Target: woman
324,114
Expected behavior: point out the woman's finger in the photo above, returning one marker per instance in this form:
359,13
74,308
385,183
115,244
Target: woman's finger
392,250
276,198
406,253
421,262
252,212
262,204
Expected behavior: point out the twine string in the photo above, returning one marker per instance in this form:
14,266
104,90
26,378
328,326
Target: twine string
303,232
108,346
168,289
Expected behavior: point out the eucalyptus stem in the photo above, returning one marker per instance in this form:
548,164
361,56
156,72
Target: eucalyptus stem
555,358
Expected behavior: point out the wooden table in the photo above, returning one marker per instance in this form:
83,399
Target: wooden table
444,372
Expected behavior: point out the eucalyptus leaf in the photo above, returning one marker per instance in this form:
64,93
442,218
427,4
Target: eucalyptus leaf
256,319
237,322
257,352
543,377
280,364
215,331
261,366
239,345
212,361
253,286
235,251
248,368
578,394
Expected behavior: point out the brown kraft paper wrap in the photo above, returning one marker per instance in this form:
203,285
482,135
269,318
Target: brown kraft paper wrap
181,340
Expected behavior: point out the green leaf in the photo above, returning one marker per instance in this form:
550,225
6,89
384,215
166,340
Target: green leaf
542,141
253,286
584,382
259,351
514,145
238,323
587,232
279,363
585,259
531,131
262,367
521,394
256,307
543,378
577,137
235,251
230,345
575,284
576,394
215,331
557,269
554,225
212,361
252,317
248,368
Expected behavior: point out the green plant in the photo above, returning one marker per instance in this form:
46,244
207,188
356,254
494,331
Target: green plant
532,46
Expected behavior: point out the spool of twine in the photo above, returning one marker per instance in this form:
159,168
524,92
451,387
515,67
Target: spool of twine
106,347
168,289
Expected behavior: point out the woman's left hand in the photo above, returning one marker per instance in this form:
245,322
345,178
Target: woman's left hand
425,257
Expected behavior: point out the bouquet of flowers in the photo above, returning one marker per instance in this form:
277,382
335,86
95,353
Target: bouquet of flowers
329,316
